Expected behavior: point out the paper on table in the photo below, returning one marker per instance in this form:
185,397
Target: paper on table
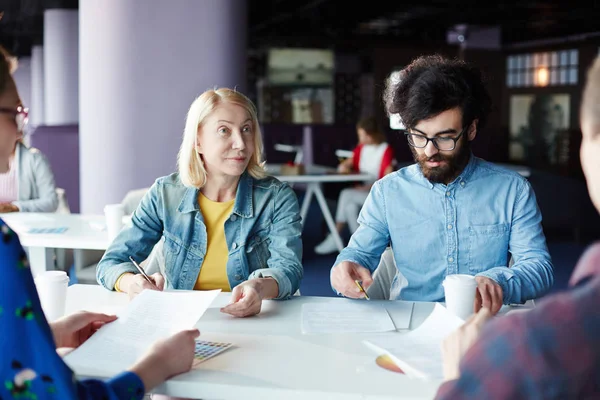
150,316
345,318
418,353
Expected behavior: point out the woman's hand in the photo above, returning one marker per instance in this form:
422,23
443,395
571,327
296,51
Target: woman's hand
167,358
247,297
133,284
73,330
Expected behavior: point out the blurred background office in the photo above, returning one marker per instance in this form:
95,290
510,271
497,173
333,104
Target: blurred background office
108,82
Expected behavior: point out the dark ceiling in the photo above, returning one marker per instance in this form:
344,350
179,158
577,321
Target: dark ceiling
343,23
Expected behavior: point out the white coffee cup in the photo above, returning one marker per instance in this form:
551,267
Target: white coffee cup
460,292
114,213
52,290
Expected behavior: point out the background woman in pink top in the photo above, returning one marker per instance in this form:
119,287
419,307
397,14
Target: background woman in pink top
373,155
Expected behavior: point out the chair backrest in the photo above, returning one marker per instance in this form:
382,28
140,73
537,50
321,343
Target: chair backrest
132,199
384,276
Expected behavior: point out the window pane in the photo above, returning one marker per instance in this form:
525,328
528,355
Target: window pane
529,77
554,59
564,58
508,81
554,76
573,75
563,76
574,57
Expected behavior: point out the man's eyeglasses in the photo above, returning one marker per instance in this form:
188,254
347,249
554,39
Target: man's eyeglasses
441,143
20,114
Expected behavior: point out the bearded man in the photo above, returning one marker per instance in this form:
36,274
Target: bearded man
450,212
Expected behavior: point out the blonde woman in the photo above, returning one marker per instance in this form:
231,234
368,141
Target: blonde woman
226,225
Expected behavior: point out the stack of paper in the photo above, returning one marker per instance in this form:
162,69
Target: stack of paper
150,316
419,352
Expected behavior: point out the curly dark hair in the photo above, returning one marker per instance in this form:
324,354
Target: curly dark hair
433,84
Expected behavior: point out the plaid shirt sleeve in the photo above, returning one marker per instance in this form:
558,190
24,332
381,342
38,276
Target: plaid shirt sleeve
551,352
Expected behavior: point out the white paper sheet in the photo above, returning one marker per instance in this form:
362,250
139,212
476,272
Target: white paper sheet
345,318
418,352
150,316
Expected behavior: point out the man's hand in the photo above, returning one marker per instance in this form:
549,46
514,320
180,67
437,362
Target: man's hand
456,345
488,295
344,275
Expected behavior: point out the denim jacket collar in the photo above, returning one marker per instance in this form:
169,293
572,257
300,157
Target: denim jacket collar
243,198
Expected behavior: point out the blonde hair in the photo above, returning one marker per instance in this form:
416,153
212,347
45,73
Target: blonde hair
189,163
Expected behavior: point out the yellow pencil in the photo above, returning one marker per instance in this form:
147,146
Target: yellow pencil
362,289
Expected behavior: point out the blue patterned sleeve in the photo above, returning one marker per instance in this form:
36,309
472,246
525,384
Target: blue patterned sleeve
30,367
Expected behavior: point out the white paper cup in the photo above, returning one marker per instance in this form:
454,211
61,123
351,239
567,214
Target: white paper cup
52,290
114,213
460,292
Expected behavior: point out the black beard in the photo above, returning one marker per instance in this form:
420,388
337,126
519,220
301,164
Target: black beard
454,165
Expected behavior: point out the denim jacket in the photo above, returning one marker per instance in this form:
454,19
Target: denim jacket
469,226
263,235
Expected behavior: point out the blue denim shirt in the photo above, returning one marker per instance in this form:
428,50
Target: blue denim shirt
263,235
469,226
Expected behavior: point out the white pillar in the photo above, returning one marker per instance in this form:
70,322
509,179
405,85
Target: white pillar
142,63
61,68
22,77
36,106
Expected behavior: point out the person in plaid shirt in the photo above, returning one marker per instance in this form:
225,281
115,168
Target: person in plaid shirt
553,351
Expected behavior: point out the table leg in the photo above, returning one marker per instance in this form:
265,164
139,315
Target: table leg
306,202
41,259
328,218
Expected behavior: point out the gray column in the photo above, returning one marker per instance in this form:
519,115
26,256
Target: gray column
61,72
142,63
22,77
36,108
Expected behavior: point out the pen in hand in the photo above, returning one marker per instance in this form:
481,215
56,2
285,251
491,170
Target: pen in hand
362,289
143,272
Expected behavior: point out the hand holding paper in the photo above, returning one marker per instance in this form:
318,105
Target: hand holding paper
460,341
150,317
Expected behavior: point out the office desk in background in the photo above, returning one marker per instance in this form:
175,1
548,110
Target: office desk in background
84,232
314,178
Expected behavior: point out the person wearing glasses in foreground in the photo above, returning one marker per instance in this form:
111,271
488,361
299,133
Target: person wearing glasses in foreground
30,365
28,184
450,212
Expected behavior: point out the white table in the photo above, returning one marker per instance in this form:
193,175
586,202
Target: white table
314,177
84,232
272,358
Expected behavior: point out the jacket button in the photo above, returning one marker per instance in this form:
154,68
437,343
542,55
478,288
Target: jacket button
238,277
233,217
234,246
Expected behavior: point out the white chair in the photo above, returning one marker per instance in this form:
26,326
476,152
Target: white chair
86,261
384,276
